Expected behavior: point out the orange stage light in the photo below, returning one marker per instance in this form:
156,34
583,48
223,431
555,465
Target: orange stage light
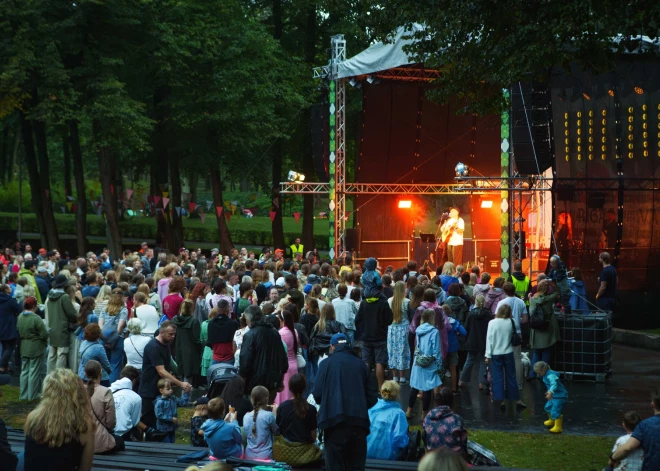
486,204
405,204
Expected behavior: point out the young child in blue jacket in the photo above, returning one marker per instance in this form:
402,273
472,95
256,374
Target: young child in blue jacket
453,346
165,407
556,396
222,434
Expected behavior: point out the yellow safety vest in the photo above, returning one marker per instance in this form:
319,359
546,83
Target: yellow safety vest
295,251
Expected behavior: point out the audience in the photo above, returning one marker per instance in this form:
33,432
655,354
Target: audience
443,428
34,342
388,434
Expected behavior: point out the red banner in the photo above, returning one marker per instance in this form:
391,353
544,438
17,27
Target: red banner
218,211
272,215
296,216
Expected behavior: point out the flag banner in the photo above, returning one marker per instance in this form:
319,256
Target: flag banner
228,216
272,215
129,193
218,210
166,201
296,216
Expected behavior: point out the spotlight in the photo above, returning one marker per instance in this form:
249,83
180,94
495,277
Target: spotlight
487,204
462,170
355,83
296,177
372,79
639,90
405,204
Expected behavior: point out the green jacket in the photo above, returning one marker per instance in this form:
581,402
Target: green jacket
60,312
30,276
33,333
544,338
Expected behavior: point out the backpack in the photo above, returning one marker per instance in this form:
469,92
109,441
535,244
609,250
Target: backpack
537,319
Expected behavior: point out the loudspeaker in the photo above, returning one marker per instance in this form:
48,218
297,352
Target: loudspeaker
523,248
596,200
319,119
530,127
352,239
565,194
488,256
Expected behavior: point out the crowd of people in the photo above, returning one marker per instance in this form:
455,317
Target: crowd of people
122,337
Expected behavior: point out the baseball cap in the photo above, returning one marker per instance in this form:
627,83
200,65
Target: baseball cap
182,249
4,379
279,252
202,400
42,251
280,282
338,339
308,288
42,270
215,250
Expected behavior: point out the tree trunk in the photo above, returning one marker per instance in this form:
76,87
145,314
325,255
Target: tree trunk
193,183
306,123
81,196
66,150
108,172
33,175
4,154
177,220
53,240
223,232
159,167
277,225
14,156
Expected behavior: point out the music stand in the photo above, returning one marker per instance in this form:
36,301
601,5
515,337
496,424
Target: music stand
427,237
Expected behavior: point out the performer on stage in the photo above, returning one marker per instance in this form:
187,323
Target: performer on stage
452,236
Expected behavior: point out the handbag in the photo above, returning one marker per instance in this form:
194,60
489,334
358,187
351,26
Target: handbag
423,360
537,320
516,341
294,453
300,359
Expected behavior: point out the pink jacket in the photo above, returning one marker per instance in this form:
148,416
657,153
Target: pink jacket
103,411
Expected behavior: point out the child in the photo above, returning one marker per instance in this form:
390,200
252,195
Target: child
389,427
453,346
260,426
556,396
222,434
371,279
356,296
165,407
200,416
634,459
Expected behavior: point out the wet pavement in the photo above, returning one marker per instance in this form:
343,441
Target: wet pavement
592,409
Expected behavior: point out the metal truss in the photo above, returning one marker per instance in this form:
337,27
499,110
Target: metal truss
338,157
532,183
374,188
407,74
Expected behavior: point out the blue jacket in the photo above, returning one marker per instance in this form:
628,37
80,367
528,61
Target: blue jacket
224,438
552,382
343,390
166,409
452,336
389,431
578,295
446,280
93,351
43,285
428,341
9,311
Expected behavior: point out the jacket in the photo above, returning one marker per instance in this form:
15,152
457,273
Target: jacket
578,299
263,360
320,341
480,288
374,317
103,407
221,329
452,336
309,321
187,345
345,311
493,297
343,390
554,385
458,307
9,311
43,286
447,280
441,323
93,351
522,284
442,427
389,431
425,378
544,338
163,288
440,294
166,408
477,327
30,277
61,312
224,438
33,333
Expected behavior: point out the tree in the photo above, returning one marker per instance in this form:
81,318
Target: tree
484,46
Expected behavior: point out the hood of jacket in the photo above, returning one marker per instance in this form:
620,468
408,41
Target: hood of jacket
382,404
518,275
454,301
577,283
212,426
164,281
424,329
495,293
370,263
183,322
428,305
4,297
55,294
123,383
480,313
482,287
440,413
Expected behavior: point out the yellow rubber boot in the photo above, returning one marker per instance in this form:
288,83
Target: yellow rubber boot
549,422
558,425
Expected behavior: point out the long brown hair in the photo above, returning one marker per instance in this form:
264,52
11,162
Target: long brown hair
297,386
327,314
198,291
86,308
93,374
259,398
397,301
417,297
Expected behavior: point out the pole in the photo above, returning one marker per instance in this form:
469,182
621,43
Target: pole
20,201
505,163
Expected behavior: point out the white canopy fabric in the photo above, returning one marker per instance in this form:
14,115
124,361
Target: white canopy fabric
379,56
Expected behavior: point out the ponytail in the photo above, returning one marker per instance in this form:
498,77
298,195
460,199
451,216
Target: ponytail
259,398
93,374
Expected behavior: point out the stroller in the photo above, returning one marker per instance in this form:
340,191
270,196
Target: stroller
218,376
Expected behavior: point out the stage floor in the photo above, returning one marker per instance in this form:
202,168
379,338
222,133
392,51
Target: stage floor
592,409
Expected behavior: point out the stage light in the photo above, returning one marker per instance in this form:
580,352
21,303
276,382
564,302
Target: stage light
372,79
610,92
296,177
405,204
462,170
355,83
639,90
486,204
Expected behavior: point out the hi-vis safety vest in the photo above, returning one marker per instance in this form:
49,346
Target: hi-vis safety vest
296,249
522,287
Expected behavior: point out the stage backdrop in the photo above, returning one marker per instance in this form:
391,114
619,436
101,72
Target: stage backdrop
407,139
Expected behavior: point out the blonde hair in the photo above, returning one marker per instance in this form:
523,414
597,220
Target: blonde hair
480,300
64,413
144,289
428,317
115,304
541,366
442,459
28,290
327,314
448,269
212,466
397,301
503,312
390,390
159,275
104,293
187,307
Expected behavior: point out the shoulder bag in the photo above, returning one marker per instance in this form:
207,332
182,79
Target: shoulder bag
537,319
423,360
516,341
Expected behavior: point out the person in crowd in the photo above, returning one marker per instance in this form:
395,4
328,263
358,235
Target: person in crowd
223,436
152,296
442,459
166,409
146,313
103,410
164,283
345,395
156,361
441,319
28,271
92,349
198,296
325,328
521,282
499,355
102,299
9,312
398,348
61,313
646,436
260,426
235,395
200,415
207,352
43,282
477,328
448,275
388,290
92,289
607,287
345,311
556,395
34,341
495,295
635,459
459,308
187,346
427,363
542,340
520,317
221,332
172,302
443,428
219,292
86,316
263,361
59,432
245,297
112,322
238,339
290,338
455,335
389,428
483,287
578,289
559,277
467,287
135,344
